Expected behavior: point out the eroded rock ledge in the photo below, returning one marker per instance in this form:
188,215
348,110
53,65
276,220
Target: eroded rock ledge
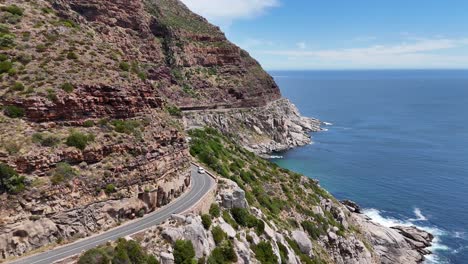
275,127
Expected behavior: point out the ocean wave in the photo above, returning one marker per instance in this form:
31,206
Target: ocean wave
276,157
437,246
328,124
324,129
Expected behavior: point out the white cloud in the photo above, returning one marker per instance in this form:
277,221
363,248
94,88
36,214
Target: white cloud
225,11
301,45
423,53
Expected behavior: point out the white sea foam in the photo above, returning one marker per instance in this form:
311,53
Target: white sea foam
276,157
419,216
328,124
324,129
377,217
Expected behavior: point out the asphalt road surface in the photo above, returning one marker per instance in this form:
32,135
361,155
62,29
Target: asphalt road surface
201,184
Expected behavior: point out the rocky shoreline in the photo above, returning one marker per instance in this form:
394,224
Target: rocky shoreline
278,126
398,244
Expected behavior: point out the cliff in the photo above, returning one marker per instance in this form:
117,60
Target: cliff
95,98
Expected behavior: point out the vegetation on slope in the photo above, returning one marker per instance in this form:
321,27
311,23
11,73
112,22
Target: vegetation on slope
123,252
276,191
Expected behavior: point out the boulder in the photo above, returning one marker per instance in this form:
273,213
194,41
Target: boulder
415,234
166,258
228,229
303,241
351,206
233,198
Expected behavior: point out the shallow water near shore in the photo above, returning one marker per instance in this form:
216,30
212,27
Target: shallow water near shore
396,142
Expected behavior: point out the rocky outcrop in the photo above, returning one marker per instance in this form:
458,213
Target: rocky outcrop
231,196
395,245
303,241
275,127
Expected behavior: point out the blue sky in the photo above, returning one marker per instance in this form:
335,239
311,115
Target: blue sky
345,34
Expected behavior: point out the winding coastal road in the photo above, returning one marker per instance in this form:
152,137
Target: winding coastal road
201,184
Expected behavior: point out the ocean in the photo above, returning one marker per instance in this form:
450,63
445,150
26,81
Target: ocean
396,143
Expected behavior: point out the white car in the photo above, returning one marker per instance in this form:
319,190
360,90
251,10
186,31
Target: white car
201,170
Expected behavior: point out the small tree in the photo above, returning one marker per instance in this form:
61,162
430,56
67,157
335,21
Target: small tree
264,253
10,181
206,221
94,256
183,252
79,140
218,234
214,210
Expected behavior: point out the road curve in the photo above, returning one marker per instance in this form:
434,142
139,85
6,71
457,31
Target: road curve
201,184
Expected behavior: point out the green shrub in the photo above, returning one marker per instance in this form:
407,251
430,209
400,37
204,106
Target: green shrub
110,188
314,230
124,66
79,140
183,252
94,256
5,66
41,48
17,87
51,95
63,172
7,41
218,234
4,29
14,111
45,140
134,251
10,180
120,256
125,126
215,210
72,56
67,87
206,221
13,9
3,57
244,218
174,111
152,260
222,254
228,219
125,252
264,253
283,252
68,23
88,123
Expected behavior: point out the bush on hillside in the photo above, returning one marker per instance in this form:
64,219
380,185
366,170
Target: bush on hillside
183,252
63,172
14,111
10,181
264,253
206,221
79,140
218,234
45,140
215,210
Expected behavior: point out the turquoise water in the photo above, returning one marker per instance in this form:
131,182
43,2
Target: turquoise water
397,145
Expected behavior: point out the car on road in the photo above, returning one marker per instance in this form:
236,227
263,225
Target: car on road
201,170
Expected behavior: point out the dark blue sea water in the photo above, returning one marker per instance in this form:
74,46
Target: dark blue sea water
398,145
